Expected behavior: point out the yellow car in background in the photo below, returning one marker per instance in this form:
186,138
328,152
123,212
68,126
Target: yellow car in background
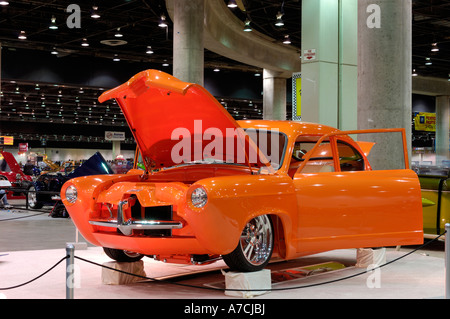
435,186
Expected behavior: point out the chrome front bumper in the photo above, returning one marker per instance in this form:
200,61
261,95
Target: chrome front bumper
127,227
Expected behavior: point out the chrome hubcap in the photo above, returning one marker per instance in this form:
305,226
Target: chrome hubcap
31,196
256,240
131,254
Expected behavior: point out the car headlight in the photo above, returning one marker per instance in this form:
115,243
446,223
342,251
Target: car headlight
199,197
71,194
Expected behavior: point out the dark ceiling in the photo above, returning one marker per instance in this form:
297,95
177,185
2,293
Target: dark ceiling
137,21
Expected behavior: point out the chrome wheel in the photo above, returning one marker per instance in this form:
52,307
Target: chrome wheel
255,246
33,202
257,240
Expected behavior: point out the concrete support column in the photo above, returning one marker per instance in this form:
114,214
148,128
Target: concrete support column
274,96
329,69
442,129
188,47
115,149
384,75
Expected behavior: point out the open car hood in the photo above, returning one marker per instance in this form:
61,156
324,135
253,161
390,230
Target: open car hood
175,122
11,163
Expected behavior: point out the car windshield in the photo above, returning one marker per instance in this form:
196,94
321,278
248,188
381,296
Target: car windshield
270,144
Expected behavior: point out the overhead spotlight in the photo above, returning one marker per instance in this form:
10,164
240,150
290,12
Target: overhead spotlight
162,22
279,22
116,58
94,13
414,73
232,4
247,26
118,34
53,25
287,40
434,47
54,51
84,43
22,35
149,50
216,70
428,61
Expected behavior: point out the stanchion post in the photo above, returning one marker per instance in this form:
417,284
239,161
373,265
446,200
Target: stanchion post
447,261
70,250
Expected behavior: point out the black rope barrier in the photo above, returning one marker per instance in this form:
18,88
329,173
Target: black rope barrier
44,273
228,289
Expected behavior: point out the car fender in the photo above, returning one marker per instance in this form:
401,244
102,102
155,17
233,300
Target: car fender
233,201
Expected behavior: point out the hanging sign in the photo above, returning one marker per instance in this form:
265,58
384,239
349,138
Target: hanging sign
114,136
6,140
425,122
23,148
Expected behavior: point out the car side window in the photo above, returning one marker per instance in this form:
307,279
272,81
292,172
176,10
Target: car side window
321,161
350,159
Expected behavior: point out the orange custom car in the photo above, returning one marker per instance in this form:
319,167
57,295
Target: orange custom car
244,191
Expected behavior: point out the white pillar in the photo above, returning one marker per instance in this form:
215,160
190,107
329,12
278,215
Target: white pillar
384,75
188,47
274,96
329,75
115,149
442,128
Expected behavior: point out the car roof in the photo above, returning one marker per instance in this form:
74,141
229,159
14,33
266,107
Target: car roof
290,128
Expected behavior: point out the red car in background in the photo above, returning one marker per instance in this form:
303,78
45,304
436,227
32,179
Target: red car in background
10,170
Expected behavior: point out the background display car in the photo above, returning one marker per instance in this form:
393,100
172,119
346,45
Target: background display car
244,191
48,185
434,182
10,170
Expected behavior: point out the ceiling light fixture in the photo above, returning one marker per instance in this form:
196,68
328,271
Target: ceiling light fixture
84,43
428,61
247,26
162,22
279,22
232,4
287,40
434,47
54,51
22,35
414,73
4,3
53,25
116,58
118,33
216,70
149,50
94,13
